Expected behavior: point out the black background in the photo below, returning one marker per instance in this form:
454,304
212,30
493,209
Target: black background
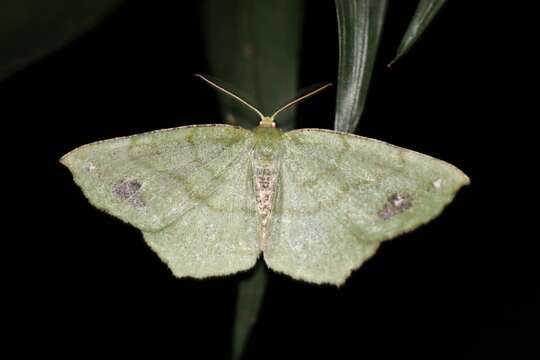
464,286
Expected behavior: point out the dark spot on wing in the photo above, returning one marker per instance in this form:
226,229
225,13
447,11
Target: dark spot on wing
129,191
395,204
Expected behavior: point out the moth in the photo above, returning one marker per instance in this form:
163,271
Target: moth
211,199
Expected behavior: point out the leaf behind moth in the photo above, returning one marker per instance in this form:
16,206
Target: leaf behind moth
255,46
360,25
424,14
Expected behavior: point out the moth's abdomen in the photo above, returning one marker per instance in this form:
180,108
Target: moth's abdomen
265,189
267,154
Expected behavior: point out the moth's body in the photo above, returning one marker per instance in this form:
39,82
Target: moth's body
267,153
210,199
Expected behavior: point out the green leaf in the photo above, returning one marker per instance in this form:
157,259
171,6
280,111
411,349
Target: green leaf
425,12
30,29
360,24
255,46
250,296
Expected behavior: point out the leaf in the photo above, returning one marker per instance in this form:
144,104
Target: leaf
424,14
255,46
250,296
360,25
31,29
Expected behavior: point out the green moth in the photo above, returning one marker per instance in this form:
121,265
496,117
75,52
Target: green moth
211,199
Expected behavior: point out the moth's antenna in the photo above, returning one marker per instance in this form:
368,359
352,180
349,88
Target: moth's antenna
231,94
295,101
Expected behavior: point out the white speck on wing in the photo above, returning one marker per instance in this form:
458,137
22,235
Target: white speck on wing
90,166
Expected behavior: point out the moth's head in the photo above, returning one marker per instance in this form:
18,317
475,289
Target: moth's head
266,121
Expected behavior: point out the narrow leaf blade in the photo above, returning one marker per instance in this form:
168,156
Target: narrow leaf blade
255,46
250,297
30,29
360,25
424,14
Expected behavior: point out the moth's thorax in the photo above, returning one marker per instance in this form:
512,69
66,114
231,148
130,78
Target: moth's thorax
268,143
266,163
